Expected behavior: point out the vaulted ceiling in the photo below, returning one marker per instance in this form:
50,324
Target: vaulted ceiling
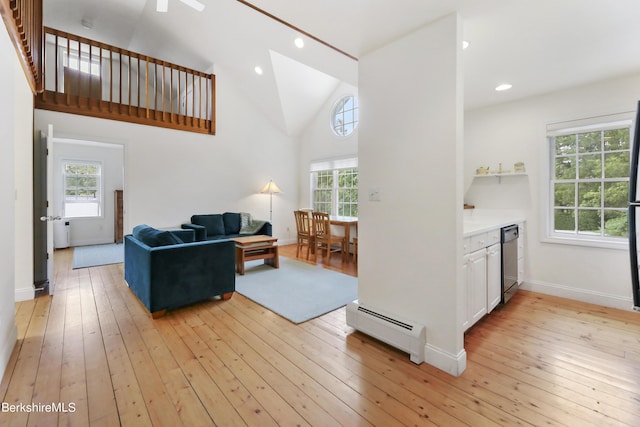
537,46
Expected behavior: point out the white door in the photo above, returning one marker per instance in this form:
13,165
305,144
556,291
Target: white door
51,216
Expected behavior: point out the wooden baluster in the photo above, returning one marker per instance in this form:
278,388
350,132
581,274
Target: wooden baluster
138,88
67,84
193,98
163,96
79,68
146,85
100,76
90,75
120,82
171,94
110,79
129,83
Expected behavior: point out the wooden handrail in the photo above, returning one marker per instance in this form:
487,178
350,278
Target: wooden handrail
23,19
88,77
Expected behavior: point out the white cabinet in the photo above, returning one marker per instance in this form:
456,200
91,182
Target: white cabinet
521,241
482,272
475,277
494,276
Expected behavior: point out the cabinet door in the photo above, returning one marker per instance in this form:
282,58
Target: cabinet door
477,291
466,274
494,278
476,281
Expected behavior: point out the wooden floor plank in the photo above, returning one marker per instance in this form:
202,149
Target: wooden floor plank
539,360
24,375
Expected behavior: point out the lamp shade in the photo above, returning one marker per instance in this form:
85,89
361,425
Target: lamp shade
270,188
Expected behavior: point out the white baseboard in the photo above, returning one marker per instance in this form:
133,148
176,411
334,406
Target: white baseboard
7,343
453,364
25,294
584,295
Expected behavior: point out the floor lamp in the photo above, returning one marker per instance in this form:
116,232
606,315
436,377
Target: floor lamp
270,188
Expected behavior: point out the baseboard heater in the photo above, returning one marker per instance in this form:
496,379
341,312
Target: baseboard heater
402,334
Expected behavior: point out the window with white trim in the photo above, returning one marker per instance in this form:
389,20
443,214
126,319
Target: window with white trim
344,116
82,189
589,180
334,187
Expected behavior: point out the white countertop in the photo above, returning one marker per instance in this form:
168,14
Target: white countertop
477,221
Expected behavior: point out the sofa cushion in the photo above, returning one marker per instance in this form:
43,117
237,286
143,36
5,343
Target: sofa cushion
231,222
212,222
152,237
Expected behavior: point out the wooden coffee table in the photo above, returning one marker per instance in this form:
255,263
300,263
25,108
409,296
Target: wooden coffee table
260,246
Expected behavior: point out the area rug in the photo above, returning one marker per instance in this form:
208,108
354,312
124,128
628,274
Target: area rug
91,256
296,291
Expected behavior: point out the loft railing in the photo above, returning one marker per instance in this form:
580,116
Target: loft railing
23,19
90,78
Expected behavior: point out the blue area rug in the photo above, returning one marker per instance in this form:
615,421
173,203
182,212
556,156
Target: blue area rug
296,291
91,256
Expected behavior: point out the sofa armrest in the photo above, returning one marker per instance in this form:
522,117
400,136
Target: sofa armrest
201,231
186,235
266,229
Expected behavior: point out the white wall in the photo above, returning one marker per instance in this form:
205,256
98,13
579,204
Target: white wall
171,175
23,110
90,231
410,149
318,142
15,136
517,132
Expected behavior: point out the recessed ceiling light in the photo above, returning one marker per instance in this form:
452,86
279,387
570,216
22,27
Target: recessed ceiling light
299,42
465,44
258,70
503,86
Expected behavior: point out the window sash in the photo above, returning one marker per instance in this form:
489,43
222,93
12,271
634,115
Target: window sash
328,195
84,197
567,219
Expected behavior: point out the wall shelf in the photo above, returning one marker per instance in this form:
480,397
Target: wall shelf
499,175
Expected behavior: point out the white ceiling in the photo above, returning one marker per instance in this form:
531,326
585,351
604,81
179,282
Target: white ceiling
538,46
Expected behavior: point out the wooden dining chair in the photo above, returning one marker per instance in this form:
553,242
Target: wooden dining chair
324,240
355,249
305,231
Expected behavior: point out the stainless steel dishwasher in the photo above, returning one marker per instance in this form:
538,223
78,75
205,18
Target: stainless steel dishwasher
509,240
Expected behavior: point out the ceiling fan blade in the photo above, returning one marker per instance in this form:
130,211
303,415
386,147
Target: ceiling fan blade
162,5
194,4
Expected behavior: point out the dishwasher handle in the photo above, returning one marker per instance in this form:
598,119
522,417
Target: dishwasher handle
509,233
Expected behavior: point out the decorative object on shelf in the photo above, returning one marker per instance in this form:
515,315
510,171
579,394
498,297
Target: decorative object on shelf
519,167
482,170
270,188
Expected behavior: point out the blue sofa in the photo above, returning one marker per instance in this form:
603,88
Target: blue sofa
226,226
169,269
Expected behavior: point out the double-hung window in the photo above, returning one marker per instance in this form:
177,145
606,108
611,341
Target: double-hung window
589,181
82,189
334,187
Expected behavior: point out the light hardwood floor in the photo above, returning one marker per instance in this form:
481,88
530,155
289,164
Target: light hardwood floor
540,360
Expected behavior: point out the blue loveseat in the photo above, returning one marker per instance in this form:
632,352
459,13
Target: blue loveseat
169,269
226,226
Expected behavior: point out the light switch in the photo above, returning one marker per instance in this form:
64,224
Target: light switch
374,194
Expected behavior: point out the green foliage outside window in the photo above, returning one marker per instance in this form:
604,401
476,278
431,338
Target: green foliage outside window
341,184
591,182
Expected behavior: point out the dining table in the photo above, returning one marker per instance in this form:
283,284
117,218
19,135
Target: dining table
346,222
